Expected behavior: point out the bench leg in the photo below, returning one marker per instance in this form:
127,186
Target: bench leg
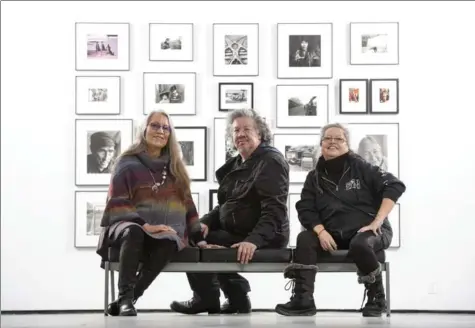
106,287
112,285
388,291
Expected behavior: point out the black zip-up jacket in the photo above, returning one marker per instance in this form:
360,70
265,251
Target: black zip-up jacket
361,188
252,198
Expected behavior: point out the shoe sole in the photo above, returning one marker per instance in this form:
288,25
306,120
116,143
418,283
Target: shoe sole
300,313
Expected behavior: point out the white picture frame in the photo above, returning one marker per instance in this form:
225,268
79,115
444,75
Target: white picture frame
374,43
234,96
302,106
354,96
173,92
294,224
317,62
223,148
213,199
384,95
236,49
195,196
110,137
171,42
98,95
91,56
394,218
89,209
193,141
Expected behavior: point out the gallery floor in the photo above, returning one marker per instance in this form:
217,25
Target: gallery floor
257,319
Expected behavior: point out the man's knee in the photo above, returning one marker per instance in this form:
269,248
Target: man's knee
306,239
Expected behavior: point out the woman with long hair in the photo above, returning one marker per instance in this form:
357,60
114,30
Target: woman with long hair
149,213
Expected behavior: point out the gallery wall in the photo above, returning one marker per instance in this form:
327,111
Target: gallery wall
45,267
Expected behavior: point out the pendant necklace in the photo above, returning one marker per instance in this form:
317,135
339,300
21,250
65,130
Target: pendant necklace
156,184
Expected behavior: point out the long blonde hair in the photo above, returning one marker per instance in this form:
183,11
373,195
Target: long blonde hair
177,167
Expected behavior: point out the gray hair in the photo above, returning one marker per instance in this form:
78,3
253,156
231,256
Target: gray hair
260,123
346,132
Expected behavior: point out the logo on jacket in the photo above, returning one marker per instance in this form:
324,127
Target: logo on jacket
353,184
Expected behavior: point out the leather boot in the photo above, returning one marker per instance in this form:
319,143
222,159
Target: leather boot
376,303
197,305
236,303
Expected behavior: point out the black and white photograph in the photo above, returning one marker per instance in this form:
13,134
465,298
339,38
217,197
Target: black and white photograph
302,106
354,96
395,220
193,143
173,92
304,50
377,143
98,144
374,43
90,207
213,199
294,223
97,95
223,148
384,96
235,49
235,96
171,42
300,152
102,46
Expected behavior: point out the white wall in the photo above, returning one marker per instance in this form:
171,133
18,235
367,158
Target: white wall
41,269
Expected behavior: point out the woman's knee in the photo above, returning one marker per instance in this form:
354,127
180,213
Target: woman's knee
360,243
133,232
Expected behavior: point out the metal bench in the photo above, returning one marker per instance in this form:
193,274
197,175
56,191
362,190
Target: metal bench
224,260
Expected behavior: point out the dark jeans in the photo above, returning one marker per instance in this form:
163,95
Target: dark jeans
135,247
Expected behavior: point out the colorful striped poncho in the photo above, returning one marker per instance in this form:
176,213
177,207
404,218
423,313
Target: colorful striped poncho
131,201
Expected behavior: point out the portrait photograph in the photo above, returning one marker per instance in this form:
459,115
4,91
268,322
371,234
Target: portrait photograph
354,96
294,223
300,152
193,142
235,49
302,106
170,42
384,96
213,199
98,144
173,92
89,207
102,46
235,96
374,43
377,143
304,50
97,95
395,220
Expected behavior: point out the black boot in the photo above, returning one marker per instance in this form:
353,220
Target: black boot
197,305
302,285
376,303
236,303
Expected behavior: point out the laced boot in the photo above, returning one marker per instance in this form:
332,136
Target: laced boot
376,303
301,284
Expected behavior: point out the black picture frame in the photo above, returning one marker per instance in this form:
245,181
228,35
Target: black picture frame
235,83
203,176
166,60
371,105
212,192
367,94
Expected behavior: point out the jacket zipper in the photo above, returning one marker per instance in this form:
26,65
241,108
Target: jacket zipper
336,185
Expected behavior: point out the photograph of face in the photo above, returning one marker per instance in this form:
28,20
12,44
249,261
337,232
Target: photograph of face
102,46
374,43
354,95
235,49
374,149
171,43
305,51
97,95
94,216
383,95
103,147
187,149
301,106
169,93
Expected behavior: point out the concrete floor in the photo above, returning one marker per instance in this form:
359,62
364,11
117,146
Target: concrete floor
323,319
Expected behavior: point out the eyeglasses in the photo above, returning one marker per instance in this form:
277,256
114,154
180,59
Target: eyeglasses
156,127
330,139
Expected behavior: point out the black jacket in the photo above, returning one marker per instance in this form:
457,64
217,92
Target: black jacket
361,190
252,198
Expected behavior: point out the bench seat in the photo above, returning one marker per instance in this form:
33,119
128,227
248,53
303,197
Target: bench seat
229,255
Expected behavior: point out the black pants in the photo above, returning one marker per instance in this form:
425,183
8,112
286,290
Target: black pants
135,247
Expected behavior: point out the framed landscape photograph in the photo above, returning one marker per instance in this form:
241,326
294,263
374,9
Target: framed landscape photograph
97,95
377,143
384,96
304,51
354,96
193,141
374,43
213,198
300,152
235,96
173,92
89,209
395,221
302,106
170,42
102,47
294,223
98,143
223,147
235,49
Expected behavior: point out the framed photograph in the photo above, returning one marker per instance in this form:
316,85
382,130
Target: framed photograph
305,51
395,221
193,141
294,223
302,106
300,151
102,47
378,143
235,96
213,198
170,42
384,96
89,209
223,148
173,92
235,49
97,95
98,143
354,96
374,43
196,199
